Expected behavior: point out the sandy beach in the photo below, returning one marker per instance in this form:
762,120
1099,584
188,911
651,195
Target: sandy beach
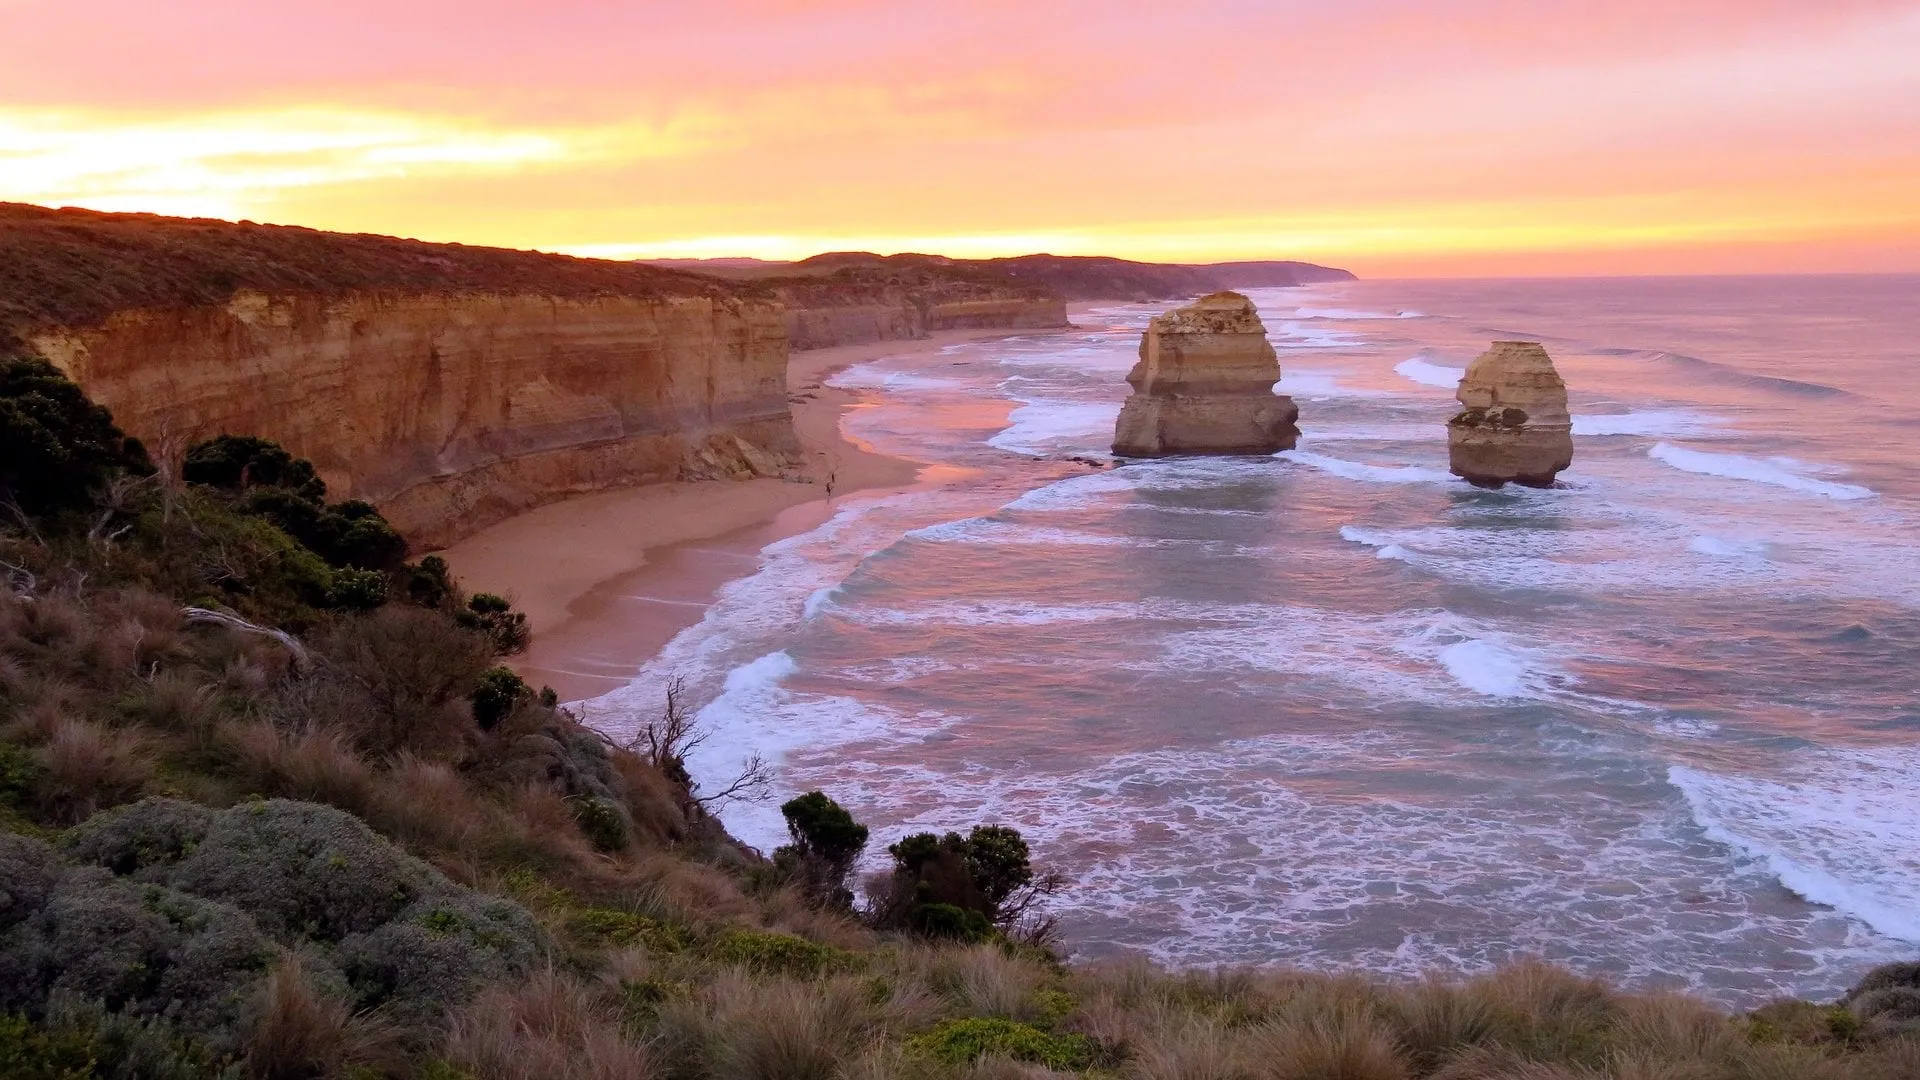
607,579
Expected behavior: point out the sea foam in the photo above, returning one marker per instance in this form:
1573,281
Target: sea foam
1373,474
1426,373
1349,313
1045,425
1841,832
1740,467
1648,423
1490,668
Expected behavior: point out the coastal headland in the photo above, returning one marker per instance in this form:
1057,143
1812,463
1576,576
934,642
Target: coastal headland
555,424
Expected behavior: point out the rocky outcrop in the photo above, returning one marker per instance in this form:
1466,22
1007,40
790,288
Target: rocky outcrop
1514,426
1204,385
450,412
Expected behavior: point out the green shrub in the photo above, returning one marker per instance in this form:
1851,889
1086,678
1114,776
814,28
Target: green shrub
962,887
127,1047
58,449
603,822
406,937
430,583
493,616
499,693
29,870
349,589
964,1041
239,462
274,485
144,840
30,1053
20,773
827,841
778,954
625,929
142,950
438,951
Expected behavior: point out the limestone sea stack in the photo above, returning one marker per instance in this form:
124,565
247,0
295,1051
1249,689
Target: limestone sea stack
1204,385
1514,427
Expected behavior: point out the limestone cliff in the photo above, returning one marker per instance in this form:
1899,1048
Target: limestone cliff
1204,385
1514,426
452,386
450,412
854,299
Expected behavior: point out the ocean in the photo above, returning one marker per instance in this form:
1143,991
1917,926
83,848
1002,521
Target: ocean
1336,709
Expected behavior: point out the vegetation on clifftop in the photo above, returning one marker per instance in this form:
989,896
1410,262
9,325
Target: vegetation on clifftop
271,808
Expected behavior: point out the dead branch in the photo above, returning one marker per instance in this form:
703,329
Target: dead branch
302,660
665,743
20,580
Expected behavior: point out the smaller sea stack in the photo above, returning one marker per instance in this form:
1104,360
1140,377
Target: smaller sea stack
1204,385
1514,427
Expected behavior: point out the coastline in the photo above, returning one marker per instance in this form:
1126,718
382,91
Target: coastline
609,578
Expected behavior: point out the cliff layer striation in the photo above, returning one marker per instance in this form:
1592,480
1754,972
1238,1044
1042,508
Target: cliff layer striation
451,386
1204,385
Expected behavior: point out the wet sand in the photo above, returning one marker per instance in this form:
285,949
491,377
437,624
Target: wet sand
608,579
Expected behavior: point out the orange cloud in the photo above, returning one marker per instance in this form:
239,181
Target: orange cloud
1390,135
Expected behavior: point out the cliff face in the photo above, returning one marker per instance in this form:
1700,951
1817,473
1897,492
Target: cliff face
1204,385
452,411
451,386
1514,427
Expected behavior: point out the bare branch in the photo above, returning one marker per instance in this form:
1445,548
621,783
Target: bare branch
302,660
20,580
665,743
754,784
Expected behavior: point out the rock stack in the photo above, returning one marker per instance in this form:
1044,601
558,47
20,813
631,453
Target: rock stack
1204,385
1514,427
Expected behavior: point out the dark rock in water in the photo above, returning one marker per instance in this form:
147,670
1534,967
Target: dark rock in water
1204,385
1514,426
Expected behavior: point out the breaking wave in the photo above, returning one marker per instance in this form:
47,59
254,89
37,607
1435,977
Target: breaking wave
1740,467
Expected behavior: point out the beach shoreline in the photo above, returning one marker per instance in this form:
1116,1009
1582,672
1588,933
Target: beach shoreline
607,579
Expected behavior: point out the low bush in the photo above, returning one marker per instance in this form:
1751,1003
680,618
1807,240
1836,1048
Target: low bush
142,950
394,679
827,841
58,450
494,617
28,1052
626,929
406,937
499,692
969,1039
603,822
778,954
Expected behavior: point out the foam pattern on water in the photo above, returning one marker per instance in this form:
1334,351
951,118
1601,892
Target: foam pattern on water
1336,707
1840,829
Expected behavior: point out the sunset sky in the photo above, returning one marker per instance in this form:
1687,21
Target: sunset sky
1393,137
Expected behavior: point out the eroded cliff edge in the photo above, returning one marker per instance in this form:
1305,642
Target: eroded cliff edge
451,386
450,412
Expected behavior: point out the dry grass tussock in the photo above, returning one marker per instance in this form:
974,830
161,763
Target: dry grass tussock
88,768
550,1026
779,1029
301,1033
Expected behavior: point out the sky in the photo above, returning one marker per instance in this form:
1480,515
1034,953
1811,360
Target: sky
1391,137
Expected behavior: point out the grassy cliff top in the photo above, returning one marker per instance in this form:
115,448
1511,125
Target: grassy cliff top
76,267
